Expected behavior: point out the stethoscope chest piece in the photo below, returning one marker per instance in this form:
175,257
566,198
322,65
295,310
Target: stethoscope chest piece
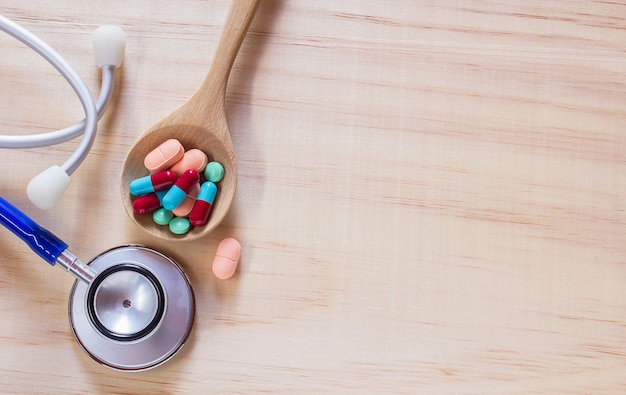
137,312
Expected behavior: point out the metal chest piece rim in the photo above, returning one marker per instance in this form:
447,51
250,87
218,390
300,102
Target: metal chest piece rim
138,311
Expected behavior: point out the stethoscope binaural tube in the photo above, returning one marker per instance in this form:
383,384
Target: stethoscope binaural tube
109,43
131,308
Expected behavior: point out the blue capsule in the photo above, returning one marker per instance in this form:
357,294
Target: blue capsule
176,194
152,183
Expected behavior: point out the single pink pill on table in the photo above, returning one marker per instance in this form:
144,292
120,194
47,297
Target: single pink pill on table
185,207
192,159
165,155
226,258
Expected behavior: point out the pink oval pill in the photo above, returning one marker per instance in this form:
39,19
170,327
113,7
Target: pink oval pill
192,159
185,207
226,258
165,155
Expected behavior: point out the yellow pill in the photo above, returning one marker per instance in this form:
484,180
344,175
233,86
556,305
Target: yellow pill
164,156
226,258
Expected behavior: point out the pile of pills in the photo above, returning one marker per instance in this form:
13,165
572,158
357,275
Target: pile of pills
180,189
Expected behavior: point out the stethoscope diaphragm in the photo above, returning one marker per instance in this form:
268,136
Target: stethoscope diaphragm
138,311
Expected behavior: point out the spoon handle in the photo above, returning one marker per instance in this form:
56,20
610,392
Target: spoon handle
235,28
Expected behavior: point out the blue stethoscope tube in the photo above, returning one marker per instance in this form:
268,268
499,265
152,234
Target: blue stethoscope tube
43,242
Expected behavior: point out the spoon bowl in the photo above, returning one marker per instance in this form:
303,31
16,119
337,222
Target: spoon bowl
199,123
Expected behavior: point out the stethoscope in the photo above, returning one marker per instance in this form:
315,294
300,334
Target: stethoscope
131,308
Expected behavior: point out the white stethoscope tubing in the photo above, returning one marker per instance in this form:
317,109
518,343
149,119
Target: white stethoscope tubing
109,42
123,338
77,84
71,132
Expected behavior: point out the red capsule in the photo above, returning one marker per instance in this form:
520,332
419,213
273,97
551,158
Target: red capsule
152,183
202,206
188,180
176,194
163,180
200,213
146,204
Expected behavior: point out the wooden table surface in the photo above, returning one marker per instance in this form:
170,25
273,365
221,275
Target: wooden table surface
431,197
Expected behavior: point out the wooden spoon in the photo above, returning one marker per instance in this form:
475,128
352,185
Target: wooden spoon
199,123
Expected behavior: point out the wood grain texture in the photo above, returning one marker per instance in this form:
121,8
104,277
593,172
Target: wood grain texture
430,196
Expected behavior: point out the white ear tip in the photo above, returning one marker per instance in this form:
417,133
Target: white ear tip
109,43
46,189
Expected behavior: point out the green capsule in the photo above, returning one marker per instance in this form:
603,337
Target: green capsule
214,171
179,225
162,216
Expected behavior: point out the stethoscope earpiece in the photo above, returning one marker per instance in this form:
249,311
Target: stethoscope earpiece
46,189
109,43
131,308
